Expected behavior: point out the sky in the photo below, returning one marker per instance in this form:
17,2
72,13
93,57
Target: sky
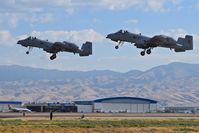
79,21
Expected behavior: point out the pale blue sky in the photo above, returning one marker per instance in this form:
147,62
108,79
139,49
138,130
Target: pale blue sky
81,20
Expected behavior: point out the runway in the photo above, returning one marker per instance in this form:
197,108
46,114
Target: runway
99,115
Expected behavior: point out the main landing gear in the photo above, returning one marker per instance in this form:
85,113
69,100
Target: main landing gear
142,53
53,56
148,51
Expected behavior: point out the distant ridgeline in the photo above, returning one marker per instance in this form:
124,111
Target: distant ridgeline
176,83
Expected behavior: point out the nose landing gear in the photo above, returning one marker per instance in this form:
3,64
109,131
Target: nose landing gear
119,43
29,49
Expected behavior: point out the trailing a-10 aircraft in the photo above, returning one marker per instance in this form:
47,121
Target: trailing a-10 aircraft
56,47
148,43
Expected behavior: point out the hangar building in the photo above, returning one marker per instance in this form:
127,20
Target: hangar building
84,106
118,105
4,105
125,104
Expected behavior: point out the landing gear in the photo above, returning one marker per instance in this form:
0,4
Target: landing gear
142,53
29,49
53,57
148,51
119,43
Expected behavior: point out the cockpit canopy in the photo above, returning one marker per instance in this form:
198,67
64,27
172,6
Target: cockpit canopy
30,38
122,31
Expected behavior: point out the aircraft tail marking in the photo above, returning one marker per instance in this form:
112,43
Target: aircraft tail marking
86,49
185,43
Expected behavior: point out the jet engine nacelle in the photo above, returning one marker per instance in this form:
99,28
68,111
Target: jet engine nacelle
179,50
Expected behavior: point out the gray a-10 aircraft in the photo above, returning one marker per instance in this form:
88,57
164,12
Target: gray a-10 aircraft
56,47
147,43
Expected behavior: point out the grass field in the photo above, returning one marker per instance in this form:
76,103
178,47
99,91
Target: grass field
101,125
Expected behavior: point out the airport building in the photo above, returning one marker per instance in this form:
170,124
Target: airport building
182,109
104,105
47,107
4,105
84,106
125,104
118,105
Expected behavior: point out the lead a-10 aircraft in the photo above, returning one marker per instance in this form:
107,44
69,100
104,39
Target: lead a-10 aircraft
147,43
56,47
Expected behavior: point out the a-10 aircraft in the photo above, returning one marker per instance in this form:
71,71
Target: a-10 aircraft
56,47
147,43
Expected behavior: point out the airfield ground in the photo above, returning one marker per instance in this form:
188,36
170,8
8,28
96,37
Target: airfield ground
98,123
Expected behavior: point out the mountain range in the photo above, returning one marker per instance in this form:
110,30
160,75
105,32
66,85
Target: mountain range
172,84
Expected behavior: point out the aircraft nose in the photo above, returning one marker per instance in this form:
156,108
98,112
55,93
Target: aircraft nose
19,42
108,36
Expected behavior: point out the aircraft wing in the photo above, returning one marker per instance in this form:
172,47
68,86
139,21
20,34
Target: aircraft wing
162,41
157,41
62,46
57,46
